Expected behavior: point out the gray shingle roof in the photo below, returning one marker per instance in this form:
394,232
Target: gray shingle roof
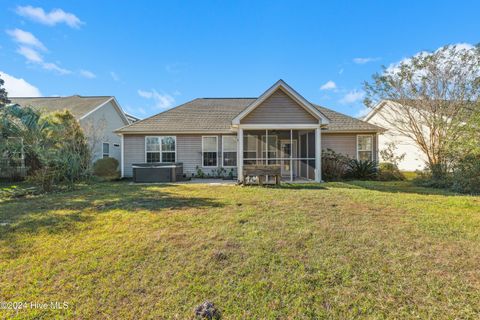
215,115
77,105
342,122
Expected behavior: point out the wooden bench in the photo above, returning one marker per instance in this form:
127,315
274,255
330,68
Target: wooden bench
261,172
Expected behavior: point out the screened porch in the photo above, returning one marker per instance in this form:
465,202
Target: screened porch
293,150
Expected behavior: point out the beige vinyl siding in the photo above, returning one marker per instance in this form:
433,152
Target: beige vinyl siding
134,152
279,108
99,127
189,152
346,143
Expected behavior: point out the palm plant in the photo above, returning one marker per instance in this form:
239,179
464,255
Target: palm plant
24,123
362,169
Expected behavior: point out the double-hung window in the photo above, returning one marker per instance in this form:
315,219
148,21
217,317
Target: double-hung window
168,149
210,151
105,150
160,149
365,147
229,154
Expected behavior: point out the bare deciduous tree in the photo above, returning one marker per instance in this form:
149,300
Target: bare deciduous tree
94,130
430,97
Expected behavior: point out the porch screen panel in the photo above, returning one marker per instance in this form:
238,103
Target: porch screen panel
292,150
311,145
311,155
303,155
251,148
271,147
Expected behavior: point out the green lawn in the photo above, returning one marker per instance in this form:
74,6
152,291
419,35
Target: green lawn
337,250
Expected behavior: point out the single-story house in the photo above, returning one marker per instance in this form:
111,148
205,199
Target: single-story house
223,134
99,116
384,114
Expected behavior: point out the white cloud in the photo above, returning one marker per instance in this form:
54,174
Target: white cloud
114,76
329,85
162,100
26,38
18,87
341,71
352,97
87,74
30,54
364,60
33,56
51,18
53,67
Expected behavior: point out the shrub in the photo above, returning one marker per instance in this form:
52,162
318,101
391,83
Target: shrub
466,175
334,165
389,154
199,174
427,179
362,170
231,174
388,171
219,173
106,168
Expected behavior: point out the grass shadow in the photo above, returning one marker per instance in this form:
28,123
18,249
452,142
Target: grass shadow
390,187
58,213
301,186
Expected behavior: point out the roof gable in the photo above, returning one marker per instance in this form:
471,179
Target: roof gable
282,85
79,106
279,108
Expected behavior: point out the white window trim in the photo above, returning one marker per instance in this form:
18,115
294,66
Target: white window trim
223,152
216,151
365,135
103,153
160,141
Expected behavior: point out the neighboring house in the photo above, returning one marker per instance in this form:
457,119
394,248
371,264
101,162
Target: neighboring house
131,118
99,116
415,158
279,127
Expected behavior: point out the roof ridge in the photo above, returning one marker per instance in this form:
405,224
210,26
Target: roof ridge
157,114
61,97
185,118
228,98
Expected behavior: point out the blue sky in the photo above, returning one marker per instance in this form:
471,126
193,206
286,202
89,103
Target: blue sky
154,55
